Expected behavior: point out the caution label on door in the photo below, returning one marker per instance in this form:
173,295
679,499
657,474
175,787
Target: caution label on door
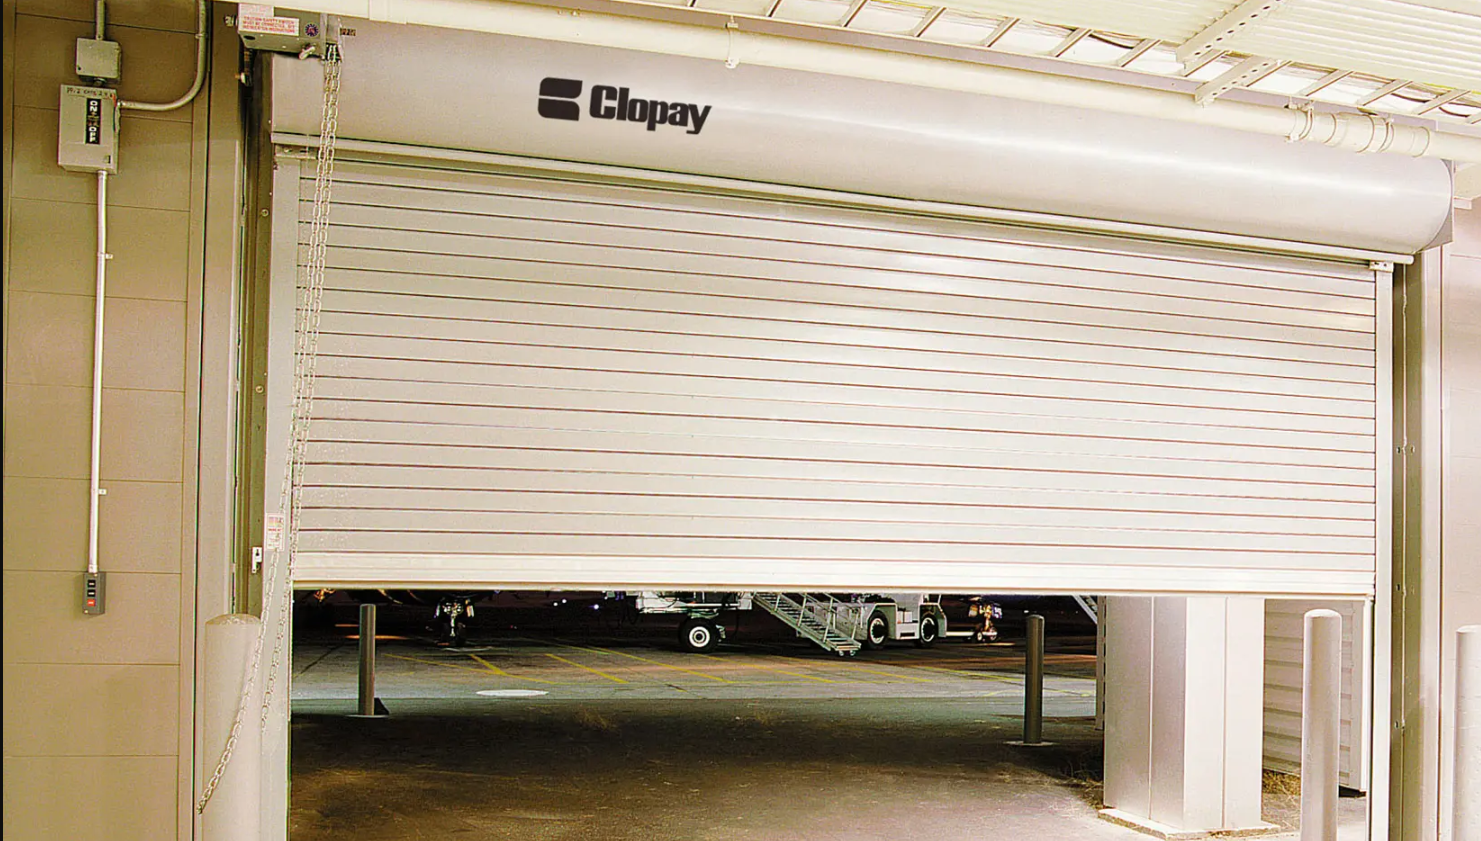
272,528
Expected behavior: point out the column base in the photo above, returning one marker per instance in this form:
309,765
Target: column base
1157,829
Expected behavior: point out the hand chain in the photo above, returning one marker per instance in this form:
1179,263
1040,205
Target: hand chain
305,361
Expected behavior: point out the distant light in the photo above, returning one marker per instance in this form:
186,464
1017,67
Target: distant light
511,693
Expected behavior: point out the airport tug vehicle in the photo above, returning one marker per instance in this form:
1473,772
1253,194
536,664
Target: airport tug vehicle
841,623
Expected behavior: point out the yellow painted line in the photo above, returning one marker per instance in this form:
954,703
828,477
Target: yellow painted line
964,672
884,673
435,663
501,673
587,668
771,669
645,660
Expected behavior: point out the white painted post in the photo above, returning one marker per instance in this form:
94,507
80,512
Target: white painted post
234,811
1467,820
1321,723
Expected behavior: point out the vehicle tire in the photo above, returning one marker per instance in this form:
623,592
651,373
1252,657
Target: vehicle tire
699,635
876,631
929,631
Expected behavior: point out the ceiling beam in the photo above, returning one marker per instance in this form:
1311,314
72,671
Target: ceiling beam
1217,34
1391,87
1002,29
1441,100
1241,75
930,18
1070,41
1137,52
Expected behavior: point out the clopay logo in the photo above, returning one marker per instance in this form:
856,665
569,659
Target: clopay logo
559,101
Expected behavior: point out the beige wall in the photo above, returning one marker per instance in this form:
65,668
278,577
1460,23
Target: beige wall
97,710
1460,581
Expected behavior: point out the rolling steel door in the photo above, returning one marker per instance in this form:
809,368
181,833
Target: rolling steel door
537,382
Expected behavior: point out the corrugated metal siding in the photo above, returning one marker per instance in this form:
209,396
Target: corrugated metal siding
526,381
1284,631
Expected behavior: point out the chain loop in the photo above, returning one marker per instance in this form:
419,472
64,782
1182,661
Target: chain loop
305,358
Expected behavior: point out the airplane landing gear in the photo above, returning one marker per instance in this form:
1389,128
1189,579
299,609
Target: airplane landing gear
451,618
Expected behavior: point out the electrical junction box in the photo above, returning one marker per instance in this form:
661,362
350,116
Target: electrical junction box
87,138
98,59
94,593
285,31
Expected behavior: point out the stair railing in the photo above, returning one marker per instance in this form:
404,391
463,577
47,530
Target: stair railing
835,615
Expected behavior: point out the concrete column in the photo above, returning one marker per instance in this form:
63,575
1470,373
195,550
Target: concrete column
1184,712
234,812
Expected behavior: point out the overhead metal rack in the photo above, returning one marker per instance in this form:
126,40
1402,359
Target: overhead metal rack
1267,46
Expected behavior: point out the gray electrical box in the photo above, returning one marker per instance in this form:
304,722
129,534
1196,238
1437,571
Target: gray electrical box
94,592
275,30
98,59
87,137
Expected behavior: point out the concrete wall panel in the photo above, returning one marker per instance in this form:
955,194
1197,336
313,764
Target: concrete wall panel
139,525
99,734
147,260
89,798
174,15
47,431
119,710
51,339
45,625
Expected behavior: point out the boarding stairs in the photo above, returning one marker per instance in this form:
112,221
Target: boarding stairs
829,622
1090,606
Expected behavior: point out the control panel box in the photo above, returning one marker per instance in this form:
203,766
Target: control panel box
94,593
87,138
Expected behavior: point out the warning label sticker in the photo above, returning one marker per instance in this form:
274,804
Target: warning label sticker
261,20
272,527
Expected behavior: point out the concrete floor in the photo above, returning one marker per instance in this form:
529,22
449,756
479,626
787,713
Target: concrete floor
626,737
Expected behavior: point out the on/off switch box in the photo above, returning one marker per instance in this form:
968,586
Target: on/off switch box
94,593
87,138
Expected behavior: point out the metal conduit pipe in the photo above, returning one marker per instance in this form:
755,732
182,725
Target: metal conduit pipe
1351,131
99,287
200,68
100,283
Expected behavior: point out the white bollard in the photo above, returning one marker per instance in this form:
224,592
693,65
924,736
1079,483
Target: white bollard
234,812
1467,821
1321,723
